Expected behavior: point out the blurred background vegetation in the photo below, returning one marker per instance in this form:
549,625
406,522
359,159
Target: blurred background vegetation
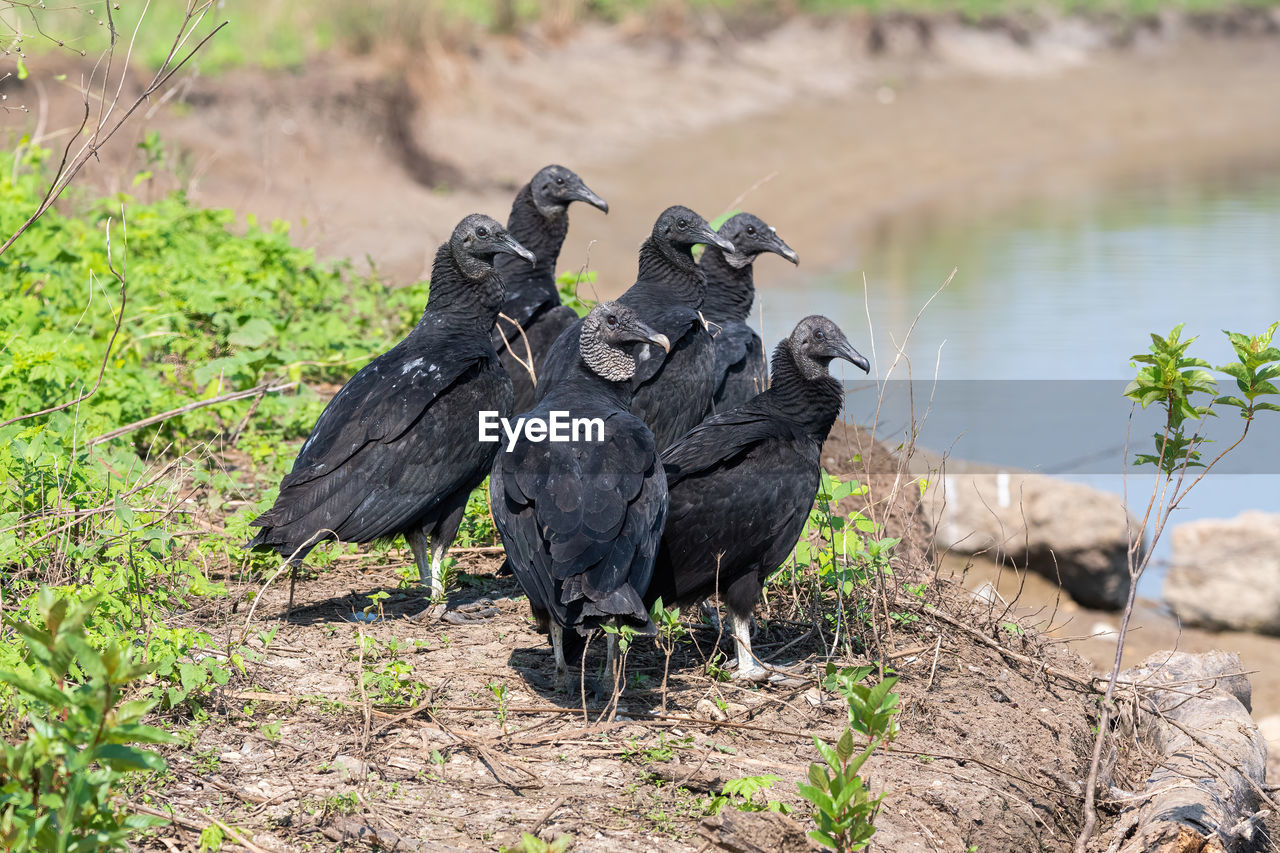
282,34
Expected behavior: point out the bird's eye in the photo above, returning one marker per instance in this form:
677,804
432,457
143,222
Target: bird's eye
751,229
482,231
820,335
560,182
682,223
612,320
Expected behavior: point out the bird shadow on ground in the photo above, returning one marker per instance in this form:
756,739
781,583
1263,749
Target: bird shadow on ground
388,602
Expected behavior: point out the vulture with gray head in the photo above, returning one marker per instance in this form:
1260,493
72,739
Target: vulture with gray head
671,392
742,483
396,449
539,220
741,372
580,520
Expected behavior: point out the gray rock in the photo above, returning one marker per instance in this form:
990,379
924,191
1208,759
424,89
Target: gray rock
1226,573
1072,534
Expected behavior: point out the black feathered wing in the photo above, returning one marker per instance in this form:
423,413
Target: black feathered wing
394,442
581,523
741,486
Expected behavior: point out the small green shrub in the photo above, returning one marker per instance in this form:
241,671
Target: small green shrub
56,785
844,809
741,795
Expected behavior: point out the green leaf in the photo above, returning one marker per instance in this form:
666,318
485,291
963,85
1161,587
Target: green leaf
254,333
49,695
120,757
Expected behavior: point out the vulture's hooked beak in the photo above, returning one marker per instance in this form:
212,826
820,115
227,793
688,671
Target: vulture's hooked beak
582,193
510,245
779,247
846,351
708,237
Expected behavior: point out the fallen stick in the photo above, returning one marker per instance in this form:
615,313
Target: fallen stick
189,407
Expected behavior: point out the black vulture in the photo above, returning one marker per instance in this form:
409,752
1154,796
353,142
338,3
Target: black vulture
671,393
581,519
397,450
741,372
539,220
742,483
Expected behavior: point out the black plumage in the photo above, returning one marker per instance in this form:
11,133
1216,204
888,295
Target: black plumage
671,392
742,483
539,220
396,449
741,371
580,520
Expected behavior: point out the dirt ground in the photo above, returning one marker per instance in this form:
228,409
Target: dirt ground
457,737
299,755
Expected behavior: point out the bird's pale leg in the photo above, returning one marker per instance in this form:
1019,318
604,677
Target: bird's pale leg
562,666
610,659
438,549
421,549
749,669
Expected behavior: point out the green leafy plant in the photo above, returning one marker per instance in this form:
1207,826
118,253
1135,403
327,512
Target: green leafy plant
663,752
529,843
670,633
842,556
500,693
741,794
1183,387
843,807
57,784
570,285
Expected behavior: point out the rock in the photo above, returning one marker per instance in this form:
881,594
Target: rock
1072,534
1270,728
1226,573
755,832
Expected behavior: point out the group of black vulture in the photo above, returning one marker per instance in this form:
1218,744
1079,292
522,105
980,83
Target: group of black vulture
704,473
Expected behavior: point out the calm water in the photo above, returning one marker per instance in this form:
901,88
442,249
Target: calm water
1059,288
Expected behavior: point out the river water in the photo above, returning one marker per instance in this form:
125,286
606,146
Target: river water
1025,353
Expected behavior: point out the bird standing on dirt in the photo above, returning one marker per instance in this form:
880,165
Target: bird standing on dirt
539,220
671,393
396,449
741,371
742,484
580,520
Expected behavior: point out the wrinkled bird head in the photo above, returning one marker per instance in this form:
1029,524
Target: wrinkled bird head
681,229
555,188
476,241
610,336
752,236
816,341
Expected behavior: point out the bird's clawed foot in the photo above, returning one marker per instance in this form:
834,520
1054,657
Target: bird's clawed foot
464,614
754,671
475,611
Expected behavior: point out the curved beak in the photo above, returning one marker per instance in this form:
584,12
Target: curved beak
640,333
582,193
509,245
779,247
846,351
708,237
